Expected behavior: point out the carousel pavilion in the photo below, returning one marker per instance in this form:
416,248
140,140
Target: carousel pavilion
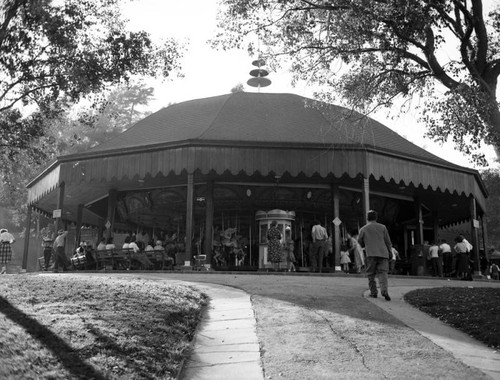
232,162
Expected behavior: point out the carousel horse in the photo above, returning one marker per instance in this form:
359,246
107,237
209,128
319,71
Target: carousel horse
218,256
233,245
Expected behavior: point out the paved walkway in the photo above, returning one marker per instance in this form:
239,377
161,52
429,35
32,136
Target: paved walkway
226,344
462,346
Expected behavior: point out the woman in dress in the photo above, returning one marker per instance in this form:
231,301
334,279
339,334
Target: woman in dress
274,245
357,252
6,239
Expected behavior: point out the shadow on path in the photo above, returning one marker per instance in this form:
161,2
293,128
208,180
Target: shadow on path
63,352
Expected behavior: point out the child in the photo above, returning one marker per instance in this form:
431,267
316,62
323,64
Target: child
494,271
344,258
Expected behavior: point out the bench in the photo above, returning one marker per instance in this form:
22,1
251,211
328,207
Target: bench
116,258
160,259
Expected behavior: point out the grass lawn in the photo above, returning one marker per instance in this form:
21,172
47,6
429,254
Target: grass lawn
475,311
59,327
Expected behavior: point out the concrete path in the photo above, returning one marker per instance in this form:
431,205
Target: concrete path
226,345
462,346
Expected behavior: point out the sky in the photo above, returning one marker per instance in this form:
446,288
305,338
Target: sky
208,72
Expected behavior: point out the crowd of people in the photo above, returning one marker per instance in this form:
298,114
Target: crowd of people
443,259
84,256
457,261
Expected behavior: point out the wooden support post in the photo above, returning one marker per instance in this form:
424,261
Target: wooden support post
420,222
112,200
474,225
189,219
336,225
209,221
58,223
366,198
78,232
435,225
405,242
484,230
27,235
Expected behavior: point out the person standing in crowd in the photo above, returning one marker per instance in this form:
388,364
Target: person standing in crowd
374,237
6,240
461,248
357,252
437,269
274,245
345,260
319,246
288,249
445,251
494,271
47,253
395,257
466,242
61,259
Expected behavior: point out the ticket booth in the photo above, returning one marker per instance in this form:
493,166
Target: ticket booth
264,218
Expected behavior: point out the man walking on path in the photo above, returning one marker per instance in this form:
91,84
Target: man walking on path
374,237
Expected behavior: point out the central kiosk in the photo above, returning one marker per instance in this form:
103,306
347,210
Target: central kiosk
284,220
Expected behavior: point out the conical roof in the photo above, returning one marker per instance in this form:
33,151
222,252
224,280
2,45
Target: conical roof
279,119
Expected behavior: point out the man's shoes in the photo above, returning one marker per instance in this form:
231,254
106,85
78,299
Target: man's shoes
386,296
373,295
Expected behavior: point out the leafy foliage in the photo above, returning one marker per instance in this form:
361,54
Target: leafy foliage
53,54
371,54
71,130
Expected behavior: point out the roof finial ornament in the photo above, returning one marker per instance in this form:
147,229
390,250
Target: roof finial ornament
259,75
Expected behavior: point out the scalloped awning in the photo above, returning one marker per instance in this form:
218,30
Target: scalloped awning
337,161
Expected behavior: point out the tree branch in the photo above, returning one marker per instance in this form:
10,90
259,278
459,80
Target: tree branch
11,12
23,95
481,35
434,65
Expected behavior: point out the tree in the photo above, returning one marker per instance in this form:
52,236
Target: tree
375,53
491,178
238,88
73,130
117,113
55,53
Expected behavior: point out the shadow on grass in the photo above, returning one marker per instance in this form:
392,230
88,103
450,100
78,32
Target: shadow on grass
59,348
